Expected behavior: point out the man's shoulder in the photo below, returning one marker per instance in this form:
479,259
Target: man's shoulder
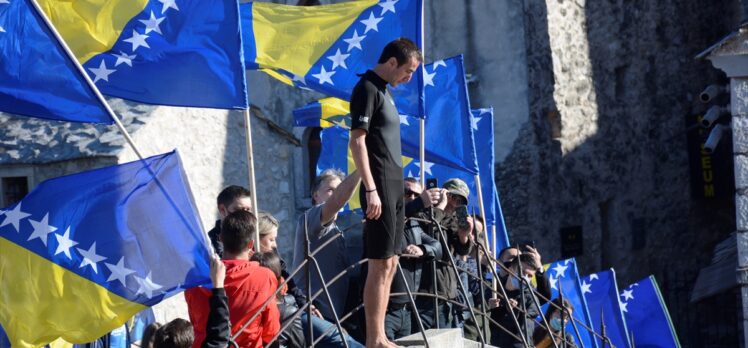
365,86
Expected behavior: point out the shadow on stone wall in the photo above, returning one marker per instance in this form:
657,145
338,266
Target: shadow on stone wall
629,179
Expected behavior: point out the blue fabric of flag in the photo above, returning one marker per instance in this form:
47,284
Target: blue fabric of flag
362,45
564,276
141,217
449,131
195,58
601,292
37,78
647,316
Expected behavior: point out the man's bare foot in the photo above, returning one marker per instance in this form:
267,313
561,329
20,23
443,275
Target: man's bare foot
381,343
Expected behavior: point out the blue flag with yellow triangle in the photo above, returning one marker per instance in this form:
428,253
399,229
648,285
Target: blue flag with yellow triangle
325,47
166,52
37,78
83,253
449,127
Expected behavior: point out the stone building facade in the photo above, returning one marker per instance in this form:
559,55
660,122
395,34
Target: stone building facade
590,98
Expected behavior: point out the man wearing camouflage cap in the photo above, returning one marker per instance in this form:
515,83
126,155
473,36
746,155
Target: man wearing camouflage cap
457,243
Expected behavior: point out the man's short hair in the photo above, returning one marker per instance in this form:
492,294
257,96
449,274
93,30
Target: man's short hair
402,50
177,333
325,175
231,193
237,229
412,180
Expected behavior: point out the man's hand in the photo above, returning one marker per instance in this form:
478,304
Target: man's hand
442,199
373,206
315,311
431,197
467,232
217,272
413,250
537,262
493,303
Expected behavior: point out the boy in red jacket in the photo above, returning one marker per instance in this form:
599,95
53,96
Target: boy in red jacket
247,285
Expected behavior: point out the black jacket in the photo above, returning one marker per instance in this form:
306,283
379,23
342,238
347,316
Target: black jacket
218,332
215,241
526,318
413,266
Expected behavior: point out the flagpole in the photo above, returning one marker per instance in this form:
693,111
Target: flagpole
251,168
422,120
89,82
485,235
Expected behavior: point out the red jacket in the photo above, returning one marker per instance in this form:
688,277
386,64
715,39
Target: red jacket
248,286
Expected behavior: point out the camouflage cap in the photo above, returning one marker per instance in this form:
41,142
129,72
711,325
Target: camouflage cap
457,187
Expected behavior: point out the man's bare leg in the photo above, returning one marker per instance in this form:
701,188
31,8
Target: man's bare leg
376,296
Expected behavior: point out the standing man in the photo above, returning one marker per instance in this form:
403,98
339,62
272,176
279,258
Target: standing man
231,199
375,146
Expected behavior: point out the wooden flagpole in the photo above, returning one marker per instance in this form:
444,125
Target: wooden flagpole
251,168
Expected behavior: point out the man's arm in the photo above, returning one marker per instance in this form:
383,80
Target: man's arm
340,196
361,159
431,247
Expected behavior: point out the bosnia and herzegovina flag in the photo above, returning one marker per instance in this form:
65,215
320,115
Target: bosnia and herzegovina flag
449,131
564,278
324,47
83,253
37,78
601,292
167,52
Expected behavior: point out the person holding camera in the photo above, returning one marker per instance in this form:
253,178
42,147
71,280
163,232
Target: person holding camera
451,215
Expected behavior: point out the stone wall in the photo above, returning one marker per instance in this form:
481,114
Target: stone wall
610,84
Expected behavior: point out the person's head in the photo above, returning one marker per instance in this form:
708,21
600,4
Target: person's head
175,334
398,61
269,260
479,224
457,193
528,270
553,313
149,335
237,234
268,232
508,254
234,198
412,190
325,184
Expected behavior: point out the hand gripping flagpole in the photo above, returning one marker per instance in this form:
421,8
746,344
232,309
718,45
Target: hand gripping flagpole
251,170
89,82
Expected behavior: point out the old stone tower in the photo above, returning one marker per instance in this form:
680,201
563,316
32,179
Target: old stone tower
592,101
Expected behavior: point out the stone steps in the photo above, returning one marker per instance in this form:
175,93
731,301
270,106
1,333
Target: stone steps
439,338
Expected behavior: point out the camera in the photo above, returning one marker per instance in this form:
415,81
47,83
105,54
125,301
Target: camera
432,183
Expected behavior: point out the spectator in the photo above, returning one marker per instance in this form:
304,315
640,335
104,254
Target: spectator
542,339
419,247
519,300
174,334
454,194
507,255
473,285
330,192
231,199
247,285
149,334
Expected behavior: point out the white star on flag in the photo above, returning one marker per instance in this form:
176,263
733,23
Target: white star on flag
119,272
427,166
428,79
2,30
122,57
553,280
474,122
152,24
355,41
324,76
338,59
437,64
624,306
41,229
90,258
586,287
410,174
560,270
627,295
388,6
14,217
404,120
101,73
64,243
168,4
4,2
594,276
146,285
371,23
137,40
